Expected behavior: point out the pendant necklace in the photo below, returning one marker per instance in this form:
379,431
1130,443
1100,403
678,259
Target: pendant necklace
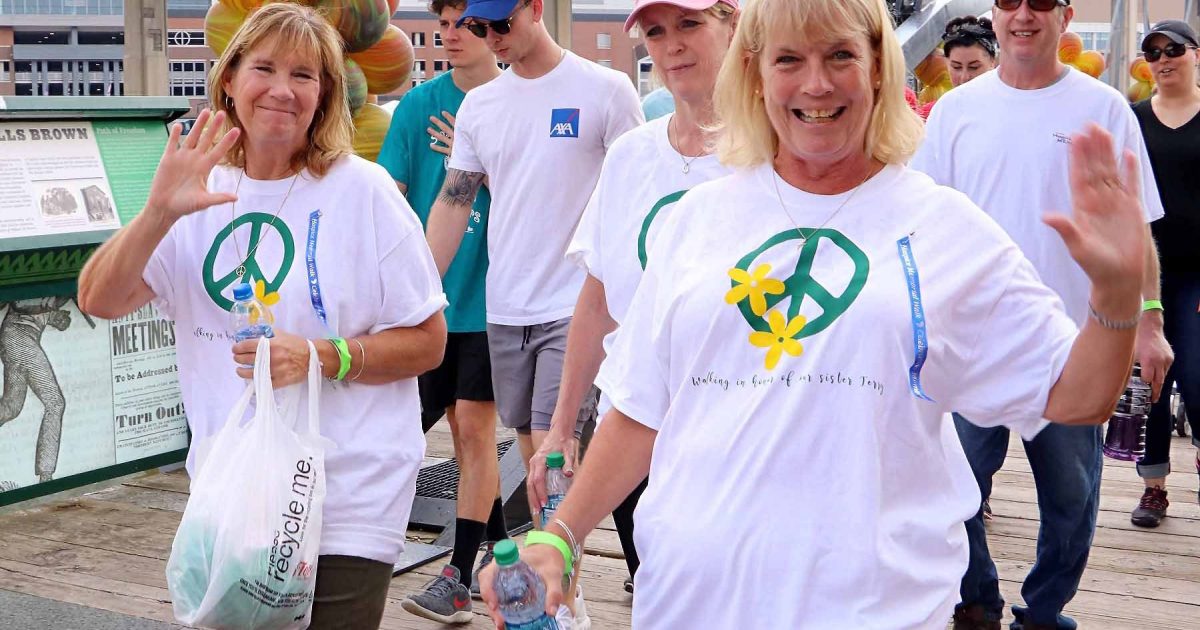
241,268
800,232
687,163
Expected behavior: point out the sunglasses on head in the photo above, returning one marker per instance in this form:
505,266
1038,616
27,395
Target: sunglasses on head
479,28
1171,50
1036,5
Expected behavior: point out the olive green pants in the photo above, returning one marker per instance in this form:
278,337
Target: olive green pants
351,593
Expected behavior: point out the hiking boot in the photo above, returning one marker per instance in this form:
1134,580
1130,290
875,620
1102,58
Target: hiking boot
443,599
1152,509
483,562
973,617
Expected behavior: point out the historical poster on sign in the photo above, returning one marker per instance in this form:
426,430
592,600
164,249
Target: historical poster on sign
81,393
53,180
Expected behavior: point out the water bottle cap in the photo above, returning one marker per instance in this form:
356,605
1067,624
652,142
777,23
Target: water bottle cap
555,460
506,553
243,291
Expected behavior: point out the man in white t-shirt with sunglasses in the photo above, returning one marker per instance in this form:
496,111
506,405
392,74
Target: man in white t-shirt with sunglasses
1003,140
538,134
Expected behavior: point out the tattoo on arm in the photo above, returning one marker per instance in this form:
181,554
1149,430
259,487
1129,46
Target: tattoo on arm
460,187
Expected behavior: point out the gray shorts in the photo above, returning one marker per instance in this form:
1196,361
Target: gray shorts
527,365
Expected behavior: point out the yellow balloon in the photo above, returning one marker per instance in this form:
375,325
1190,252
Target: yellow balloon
370,126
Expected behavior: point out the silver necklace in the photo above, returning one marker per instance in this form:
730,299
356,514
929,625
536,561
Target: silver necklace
241,268
800,232
687,164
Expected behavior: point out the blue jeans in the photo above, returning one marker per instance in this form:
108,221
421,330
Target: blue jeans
1066,463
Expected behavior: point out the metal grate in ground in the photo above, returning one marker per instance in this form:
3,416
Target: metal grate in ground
440,481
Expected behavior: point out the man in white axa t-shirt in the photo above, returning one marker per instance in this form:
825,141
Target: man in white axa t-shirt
1003,139
538,133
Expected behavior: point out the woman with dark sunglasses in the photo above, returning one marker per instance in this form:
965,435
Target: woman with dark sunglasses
1171,127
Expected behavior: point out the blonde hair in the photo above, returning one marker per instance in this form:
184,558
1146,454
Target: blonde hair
718,10
299,29
747,138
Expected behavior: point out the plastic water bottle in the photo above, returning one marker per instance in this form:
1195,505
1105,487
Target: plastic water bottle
557,484
250,317
521,592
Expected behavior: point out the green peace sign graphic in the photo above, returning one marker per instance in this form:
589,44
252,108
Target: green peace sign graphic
662,203
257,220
802,285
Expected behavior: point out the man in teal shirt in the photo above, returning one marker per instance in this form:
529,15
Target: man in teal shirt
415,152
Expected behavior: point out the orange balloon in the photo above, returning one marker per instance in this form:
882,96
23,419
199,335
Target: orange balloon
220,24
388,64
931,68
370,127
1140,70
1070,46
1090,62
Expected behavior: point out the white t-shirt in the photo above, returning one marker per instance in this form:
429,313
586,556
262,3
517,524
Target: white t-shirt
541,142
1008,150
823,493
375,272
640,183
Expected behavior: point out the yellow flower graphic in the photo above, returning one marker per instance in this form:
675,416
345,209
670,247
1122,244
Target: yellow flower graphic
260,291
269,299
755,286
781,338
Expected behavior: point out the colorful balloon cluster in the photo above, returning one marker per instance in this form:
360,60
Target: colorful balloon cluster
1071,52
1142,85
379,56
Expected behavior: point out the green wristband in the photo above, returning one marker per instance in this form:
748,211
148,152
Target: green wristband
1152,305
343,351
546,538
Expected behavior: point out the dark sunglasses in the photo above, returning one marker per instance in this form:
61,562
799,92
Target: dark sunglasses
479,28
1036,5
1171,50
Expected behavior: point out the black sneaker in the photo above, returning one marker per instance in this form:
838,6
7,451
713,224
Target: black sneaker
973,617
444,599
483,562
1152,509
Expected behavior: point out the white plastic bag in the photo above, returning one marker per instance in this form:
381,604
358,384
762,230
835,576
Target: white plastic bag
245,553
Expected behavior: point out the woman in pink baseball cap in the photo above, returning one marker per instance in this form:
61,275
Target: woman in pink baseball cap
645,172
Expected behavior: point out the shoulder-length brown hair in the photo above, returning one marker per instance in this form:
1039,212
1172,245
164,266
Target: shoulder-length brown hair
299,29
747,137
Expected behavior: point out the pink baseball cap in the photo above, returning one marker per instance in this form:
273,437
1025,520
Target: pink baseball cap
691,5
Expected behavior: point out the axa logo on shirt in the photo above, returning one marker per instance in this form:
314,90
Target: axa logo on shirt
564,123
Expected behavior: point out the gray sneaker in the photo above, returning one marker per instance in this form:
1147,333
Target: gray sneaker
444,599
483,562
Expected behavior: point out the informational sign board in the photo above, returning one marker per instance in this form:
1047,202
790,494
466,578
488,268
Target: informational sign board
80,393
71,178
82,399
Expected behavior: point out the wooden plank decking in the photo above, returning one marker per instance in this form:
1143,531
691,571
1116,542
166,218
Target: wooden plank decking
108,549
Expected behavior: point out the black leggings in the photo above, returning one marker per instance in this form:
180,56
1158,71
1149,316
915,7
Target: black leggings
1181,325
623,517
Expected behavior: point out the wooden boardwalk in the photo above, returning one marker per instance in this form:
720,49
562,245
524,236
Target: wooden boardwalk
107,549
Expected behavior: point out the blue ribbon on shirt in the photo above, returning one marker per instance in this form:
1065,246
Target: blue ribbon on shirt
310,257
917,311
